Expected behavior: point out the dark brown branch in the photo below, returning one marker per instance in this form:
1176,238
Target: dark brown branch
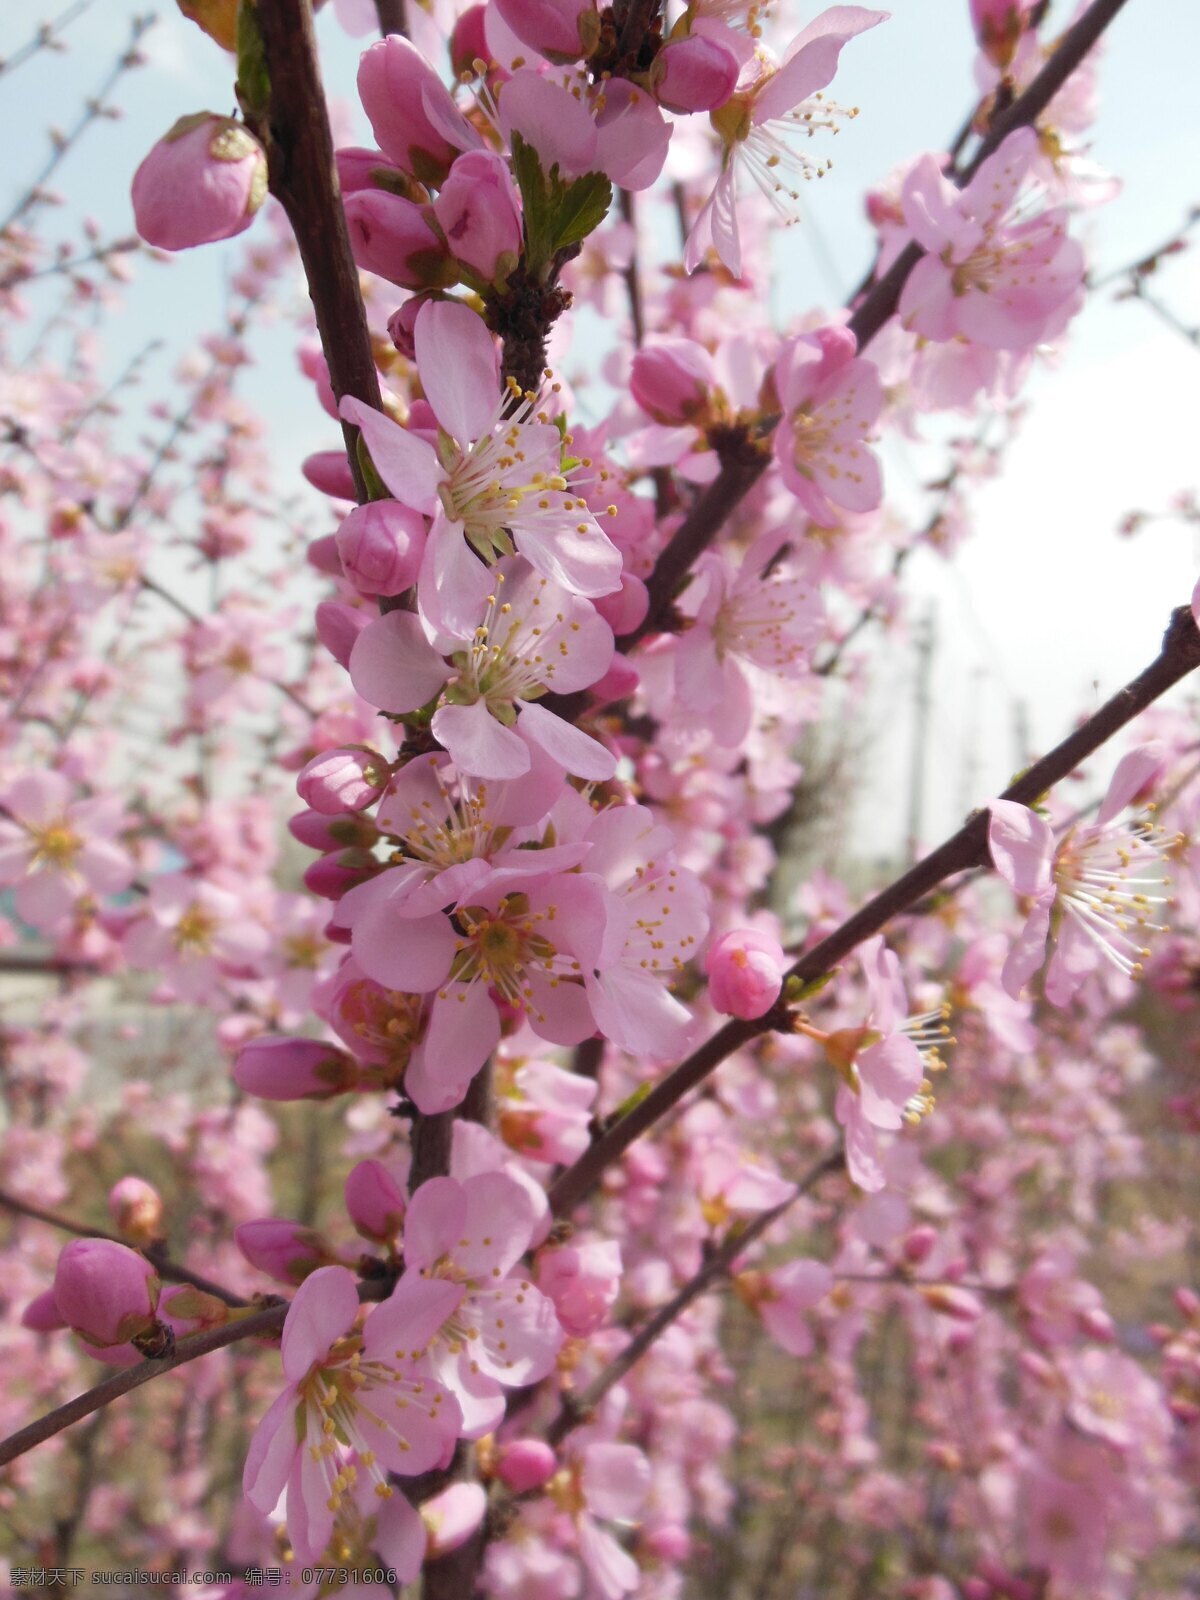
393,16
303,178
968,848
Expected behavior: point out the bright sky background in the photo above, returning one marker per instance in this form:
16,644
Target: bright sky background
1047,605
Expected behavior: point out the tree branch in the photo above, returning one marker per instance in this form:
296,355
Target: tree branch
967,848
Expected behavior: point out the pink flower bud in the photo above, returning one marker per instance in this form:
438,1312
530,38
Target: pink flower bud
745,973
526,1464
468,40
341,832
137,1209
453,1516
959,1304
1098,1325
202,181
284,1250
1188,1302
346,779
618,683
402,325
322,554
338,626
294,1069
381,545
694,73
999,25
42,1315
396,85
329,472
626,609
479,211
918,1245
582,1279
106,1292
560,30
374,1202
392,237
670,1542
330,876
672,379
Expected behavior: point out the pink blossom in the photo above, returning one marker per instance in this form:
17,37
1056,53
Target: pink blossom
394,237
412,114
374,1202
390,1418
337,781
830,400
479,211
204,180
193,932
754,123
56,851
583,1279
286,1251
697,72
988,276
106,1292
745,973
560,30
783,1296
380,545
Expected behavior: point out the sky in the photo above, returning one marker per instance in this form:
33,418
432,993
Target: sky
1047,606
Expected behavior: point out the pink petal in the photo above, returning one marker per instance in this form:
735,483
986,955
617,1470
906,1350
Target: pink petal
458,366
570,747
411,955
812,59
636,1012
519,1332
1134,772
497,1228
1029,948
1021,845
435,1221
324,1308
393,665
612,1570
400,1536
479,744
408,466
37,798
464,1029
271,1454
413,1314
453,585
615,1480
890,1074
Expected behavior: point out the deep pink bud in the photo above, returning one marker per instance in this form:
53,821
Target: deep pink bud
479,211
340,832
329,472
999,25
671,380
346,779
396,84
626,609
694,73
526,1464
381,545
918,1245
294,1069
374,1202
285,1251
745,973
670,1542
391,236
42,1315
330,876
338,626
106,1292
202,181
468,41
137,1209
560,30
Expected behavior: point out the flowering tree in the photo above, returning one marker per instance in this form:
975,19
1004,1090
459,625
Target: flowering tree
552,1206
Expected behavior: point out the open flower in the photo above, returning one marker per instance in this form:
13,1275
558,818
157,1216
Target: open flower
352,1408
1093,892
56,851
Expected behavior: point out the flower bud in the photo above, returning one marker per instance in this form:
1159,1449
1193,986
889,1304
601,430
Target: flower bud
745,973
468,41
346,779
999,25
137,1209
918,1245
374,1202
626,609
526,1464
294,1069
338,626
396,85
202,181
479,211
285,1251
672,379
669,1542
381,545
560,30
371,169
392,237
329,472
402,326
106,1292
341,832
694,73
331,875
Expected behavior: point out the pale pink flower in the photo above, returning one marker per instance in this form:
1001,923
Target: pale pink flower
462,1242
989,275
56,851
583,1278
1093,892
346,1392
608,1481
496,479
831,399
755,125
783,1296
192,934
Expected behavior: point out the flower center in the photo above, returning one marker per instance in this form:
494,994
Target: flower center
194,931
55,846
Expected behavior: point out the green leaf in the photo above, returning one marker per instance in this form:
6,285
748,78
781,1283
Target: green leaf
557,213
583,207
253,87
